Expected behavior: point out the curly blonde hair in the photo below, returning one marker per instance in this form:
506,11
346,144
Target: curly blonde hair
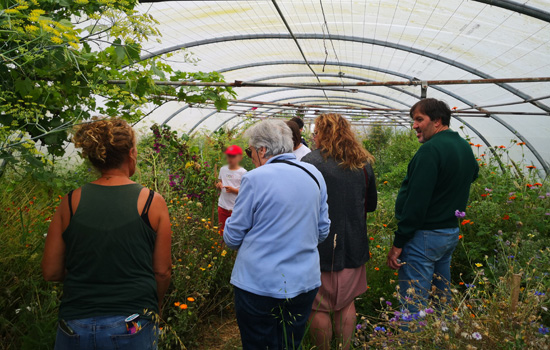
106,143
336,140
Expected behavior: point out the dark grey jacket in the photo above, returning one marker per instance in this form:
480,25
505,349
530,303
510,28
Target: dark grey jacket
346,208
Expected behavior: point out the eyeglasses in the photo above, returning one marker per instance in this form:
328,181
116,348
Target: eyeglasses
248,152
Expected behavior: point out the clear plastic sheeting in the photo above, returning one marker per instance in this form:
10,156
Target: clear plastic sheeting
348,42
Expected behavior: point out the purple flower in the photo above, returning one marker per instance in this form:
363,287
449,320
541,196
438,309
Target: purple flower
543,330
469,285
546,213
542,197
488,189
358,327
476,336
547,194
172,184
511,193
511,257
406,317
429,310
379,329
388,303
537,293
422,323
460,214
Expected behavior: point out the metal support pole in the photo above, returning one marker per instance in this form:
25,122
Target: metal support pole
424,90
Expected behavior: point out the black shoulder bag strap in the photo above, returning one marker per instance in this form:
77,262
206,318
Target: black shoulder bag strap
299,166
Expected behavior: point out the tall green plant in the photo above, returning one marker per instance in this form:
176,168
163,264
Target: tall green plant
56,57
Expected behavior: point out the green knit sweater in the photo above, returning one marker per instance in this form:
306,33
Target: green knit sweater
437,184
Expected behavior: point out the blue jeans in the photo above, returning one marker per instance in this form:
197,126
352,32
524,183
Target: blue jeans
427,257
106,333
272,324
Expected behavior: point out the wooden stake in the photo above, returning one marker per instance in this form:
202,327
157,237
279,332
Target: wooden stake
516,283
214,197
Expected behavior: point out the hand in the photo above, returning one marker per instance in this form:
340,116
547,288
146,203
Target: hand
219,185
230,189
393,255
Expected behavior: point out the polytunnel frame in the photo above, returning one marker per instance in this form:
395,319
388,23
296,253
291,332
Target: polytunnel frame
335,98
362,40
375,42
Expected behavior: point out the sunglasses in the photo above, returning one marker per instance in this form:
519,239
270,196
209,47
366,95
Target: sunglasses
248,152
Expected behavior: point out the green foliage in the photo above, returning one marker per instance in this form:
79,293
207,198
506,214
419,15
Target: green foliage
501,225
56,58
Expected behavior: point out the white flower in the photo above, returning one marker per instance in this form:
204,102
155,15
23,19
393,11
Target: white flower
465,335
17,311
28,308
444,327
476,336
422,313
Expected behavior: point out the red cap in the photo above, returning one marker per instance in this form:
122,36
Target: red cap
234,150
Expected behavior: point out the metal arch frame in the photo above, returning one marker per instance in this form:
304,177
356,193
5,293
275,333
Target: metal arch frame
408,77
523,9
334,98
370,41
332,75
268,109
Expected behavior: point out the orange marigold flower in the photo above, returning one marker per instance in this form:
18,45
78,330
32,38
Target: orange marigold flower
378,246
506,217
521,143
531,167
460,236
177,304
461,283
538,184
502,147
377,268
191,299
395,273
471,143
484,195
529,185
183,306
372,238
464,222
384,225
478,145
512,198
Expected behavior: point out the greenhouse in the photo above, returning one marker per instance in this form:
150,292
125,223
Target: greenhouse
424,125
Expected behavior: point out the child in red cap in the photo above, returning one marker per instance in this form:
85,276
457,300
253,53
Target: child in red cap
229,182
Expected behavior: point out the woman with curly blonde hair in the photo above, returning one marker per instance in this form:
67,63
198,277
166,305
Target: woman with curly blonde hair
109,243
347,168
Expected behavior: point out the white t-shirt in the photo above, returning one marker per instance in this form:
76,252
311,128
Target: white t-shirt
229,178
301,152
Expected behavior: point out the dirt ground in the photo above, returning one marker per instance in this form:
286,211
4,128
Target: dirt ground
221,334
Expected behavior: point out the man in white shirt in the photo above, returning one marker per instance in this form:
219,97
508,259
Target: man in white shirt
229,182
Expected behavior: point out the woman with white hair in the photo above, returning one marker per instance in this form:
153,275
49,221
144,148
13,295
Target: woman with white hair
280,216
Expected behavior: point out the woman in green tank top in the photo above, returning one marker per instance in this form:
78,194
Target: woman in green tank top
109,243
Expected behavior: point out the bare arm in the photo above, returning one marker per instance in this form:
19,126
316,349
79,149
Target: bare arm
162,255
53,260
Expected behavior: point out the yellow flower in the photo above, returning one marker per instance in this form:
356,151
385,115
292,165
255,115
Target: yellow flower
203,220
11,11
56,40
31,28
202,268
224,252
189,164
191,299
479,265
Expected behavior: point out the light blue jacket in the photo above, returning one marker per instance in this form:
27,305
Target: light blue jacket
279,219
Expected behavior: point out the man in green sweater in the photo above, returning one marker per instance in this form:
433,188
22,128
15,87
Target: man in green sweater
431,200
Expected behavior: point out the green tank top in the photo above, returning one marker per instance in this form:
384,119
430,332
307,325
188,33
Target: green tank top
109,256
